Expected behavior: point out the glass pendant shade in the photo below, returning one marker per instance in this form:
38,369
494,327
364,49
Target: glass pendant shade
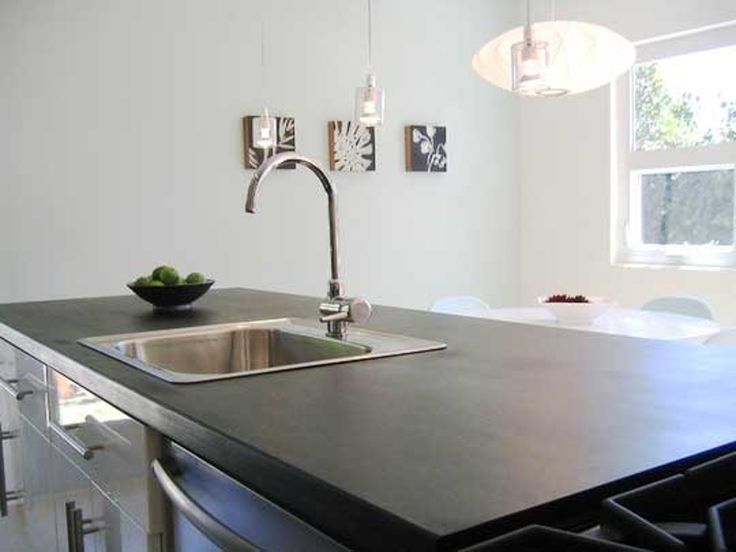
553,58
369,103
264,131
529,60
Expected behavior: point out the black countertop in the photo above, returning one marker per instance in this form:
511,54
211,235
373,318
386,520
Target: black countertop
511,423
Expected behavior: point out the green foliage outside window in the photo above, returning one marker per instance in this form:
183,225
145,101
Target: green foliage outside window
662,121
685,208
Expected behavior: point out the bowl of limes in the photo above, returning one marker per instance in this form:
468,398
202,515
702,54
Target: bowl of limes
167,291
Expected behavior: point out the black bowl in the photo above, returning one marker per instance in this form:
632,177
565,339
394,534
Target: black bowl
172,298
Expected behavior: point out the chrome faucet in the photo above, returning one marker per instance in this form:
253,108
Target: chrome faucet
336,311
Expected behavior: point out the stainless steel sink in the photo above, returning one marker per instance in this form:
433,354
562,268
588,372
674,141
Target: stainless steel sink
208,353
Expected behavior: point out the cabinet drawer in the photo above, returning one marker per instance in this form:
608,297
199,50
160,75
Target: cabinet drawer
7,360
15,364
33,404
26,365
23,378
110,447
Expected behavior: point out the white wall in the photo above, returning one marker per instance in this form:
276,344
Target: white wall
565,183
120,147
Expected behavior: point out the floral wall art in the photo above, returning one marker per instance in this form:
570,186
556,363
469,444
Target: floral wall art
352,146
425,148
285,141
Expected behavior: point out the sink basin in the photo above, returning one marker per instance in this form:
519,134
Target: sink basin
220,351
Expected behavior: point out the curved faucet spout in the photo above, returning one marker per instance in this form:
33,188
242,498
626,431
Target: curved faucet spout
335,289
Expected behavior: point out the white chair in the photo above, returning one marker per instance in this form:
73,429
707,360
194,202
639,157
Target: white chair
724,337
688,306
464,305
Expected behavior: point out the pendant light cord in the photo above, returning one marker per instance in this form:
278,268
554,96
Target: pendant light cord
370,37
263,45
263,61
528,27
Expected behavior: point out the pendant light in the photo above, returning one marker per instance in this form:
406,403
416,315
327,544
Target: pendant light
264,130
264,126
554,58
529,60
369,99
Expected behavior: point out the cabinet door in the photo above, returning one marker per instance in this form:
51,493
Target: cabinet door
15,537
38,503
11,480
9,421
73,505
87,520
117,531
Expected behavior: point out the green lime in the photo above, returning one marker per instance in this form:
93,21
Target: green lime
142,281
156,274
156,283
169,276
195,278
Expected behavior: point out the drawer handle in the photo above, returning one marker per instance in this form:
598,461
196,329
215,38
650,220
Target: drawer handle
9,385
75,527
5,495
221,535
84,450
71,527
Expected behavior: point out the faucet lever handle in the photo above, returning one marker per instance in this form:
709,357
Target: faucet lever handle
355,310
341,315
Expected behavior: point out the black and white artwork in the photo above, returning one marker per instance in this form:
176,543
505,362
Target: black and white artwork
426,148
285,141
352,146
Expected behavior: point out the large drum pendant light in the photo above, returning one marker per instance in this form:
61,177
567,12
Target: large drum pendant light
554,58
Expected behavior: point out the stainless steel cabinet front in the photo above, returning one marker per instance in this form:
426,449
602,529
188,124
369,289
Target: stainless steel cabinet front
14,532
7,361
25,492
23,378
38,500
87,520
75,470
110,447
73,505
32,402
119,532
11,475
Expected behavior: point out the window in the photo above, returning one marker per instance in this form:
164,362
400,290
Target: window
674,148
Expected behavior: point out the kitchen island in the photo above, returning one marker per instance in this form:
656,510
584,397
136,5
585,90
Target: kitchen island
511,424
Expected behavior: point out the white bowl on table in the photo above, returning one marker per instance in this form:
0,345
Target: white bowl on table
577,314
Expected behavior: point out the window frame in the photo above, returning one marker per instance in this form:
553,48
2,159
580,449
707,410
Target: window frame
627,163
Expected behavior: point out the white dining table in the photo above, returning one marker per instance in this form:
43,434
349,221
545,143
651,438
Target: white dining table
620,321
